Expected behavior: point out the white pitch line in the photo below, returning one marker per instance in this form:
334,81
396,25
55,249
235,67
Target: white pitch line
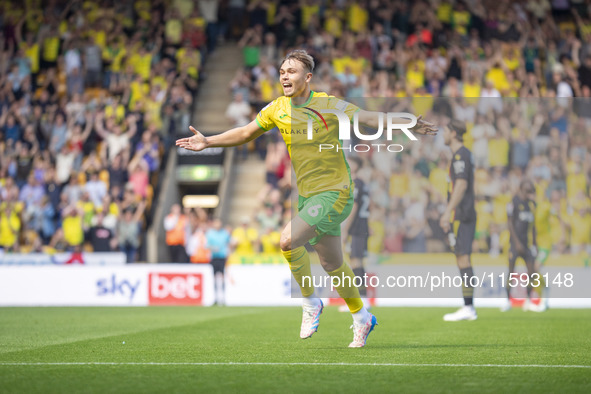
296,364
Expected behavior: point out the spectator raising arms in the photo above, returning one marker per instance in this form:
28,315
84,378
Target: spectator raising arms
81,86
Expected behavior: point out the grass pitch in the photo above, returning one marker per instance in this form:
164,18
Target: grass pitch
183,349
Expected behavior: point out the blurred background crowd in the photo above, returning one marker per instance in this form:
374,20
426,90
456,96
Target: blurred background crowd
92,94
517,72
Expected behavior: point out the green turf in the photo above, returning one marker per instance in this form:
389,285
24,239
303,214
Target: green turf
407,336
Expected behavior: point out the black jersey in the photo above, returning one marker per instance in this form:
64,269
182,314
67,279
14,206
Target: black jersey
522,214
462,167
359,226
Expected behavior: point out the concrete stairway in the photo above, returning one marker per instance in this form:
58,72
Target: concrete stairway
214,94
247,178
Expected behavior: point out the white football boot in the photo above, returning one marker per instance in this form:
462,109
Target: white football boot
464,313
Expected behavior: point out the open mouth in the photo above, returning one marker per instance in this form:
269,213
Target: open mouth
287,85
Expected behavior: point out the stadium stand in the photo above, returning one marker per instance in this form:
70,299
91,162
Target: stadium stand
91,99
92,95
515,72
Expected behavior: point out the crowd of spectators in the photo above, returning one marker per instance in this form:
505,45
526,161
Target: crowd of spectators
189,232
92,95
517,72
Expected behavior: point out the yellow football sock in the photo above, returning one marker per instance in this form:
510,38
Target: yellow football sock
541,285
345,287
299,263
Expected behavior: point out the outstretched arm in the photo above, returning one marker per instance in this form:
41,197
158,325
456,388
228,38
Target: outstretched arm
233,137
19,29
87,127
371,119
132,125
98,125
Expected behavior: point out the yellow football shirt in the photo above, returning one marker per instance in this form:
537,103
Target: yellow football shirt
580,229
333,24
498,152
375,243
316,171
357,65
32,52
471,92
497,75
339,64
443,12
575,183
484,217
512,63
73,232
143,65
399,185
499,213
438,180
357,18
415,75
461,21
51,47
542,222
9,228
117,59
270,242
245,239
307,11
422,103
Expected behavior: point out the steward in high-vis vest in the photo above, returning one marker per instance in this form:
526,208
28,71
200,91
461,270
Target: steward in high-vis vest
175,226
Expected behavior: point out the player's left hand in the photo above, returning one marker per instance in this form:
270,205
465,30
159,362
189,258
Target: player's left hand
533,250
425,128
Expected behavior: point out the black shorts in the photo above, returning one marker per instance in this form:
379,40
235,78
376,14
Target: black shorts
272,179
527,255
465,238
218,265
358,246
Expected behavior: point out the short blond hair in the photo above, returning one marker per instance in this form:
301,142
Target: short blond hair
301,56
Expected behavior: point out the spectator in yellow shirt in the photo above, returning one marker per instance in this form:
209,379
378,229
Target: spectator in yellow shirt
576,181
10,225
357,18
245,238
579,224
51,49
333,21
270,241
72,227
438,179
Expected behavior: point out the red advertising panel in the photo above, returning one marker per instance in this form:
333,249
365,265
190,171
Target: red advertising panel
175,289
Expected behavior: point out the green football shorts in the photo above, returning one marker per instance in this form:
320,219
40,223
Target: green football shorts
326,211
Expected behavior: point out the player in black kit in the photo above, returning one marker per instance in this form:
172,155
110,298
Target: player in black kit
521,221
460,210
357,226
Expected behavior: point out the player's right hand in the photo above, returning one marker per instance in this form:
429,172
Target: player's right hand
444,222
196,142
424,128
